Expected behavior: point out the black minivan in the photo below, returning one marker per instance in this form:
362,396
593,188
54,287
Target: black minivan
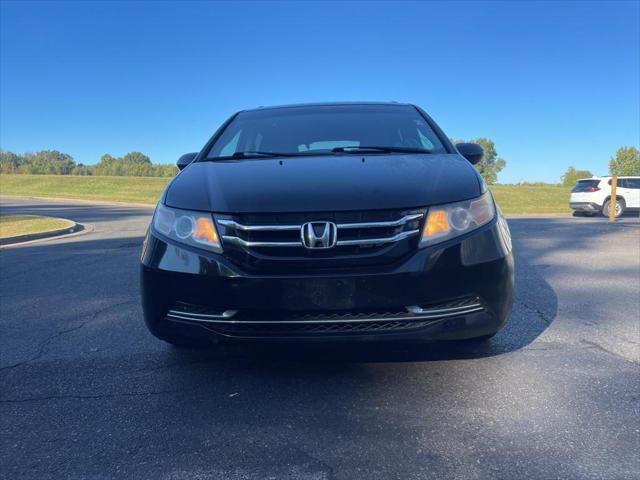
341,221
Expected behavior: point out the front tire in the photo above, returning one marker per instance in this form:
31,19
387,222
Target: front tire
620,207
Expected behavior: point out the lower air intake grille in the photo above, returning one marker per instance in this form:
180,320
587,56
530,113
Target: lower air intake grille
261,323
320,328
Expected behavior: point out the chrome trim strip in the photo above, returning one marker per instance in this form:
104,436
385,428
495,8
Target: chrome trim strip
339,243
257,228
224,315
266,228
392,223
415,318
376,241
246,243
418,310
201,316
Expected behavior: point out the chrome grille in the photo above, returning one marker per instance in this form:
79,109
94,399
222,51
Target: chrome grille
270,236
375,240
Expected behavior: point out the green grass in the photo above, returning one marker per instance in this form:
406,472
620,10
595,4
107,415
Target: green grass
511,198
118,189
14,225
532,199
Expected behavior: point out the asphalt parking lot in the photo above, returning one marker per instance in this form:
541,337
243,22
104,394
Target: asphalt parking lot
86,392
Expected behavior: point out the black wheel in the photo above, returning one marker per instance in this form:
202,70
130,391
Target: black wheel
620,206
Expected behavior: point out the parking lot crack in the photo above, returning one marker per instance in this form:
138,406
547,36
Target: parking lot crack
535,310
43,348
599,347
89,397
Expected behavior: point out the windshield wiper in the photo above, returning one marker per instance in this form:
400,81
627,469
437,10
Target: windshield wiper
367,148
353,149
250,154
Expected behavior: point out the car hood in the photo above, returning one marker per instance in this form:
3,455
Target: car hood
323,183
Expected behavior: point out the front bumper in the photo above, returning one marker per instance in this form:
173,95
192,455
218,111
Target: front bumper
391,302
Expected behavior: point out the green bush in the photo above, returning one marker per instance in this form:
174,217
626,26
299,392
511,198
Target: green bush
572,175
626,161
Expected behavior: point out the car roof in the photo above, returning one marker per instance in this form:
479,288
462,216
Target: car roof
326,104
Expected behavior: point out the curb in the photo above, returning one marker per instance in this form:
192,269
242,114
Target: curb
73,228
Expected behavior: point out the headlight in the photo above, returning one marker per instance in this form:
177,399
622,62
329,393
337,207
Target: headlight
193,228
445,222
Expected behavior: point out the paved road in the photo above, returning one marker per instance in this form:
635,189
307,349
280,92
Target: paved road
86,392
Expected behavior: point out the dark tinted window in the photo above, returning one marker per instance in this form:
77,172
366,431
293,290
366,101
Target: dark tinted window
633,183
317,129
585,185
621,182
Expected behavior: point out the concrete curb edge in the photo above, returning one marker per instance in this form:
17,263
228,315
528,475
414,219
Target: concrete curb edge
73,228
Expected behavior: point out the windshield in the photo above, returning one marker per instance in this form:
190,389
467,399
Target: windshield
323,129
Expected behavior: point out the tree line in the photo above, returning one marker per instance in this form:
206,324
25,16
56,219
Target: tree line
626,161
53,162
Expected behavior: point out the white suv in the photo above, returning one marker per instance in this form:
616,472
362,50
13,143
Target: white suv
592,195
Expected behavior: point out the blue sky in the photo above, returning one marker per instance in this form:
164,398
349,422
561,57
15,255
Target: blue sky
553,84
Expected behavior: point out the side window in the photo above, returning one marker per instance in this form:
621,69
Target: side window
621,183
633,183
230,148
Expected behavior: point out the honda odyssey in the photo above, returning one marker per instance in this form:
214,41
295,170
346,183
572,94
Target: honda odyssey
341,221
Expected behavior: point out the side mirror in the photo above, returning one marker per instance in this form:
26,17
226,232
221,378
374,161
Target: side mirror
185,160
471,151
